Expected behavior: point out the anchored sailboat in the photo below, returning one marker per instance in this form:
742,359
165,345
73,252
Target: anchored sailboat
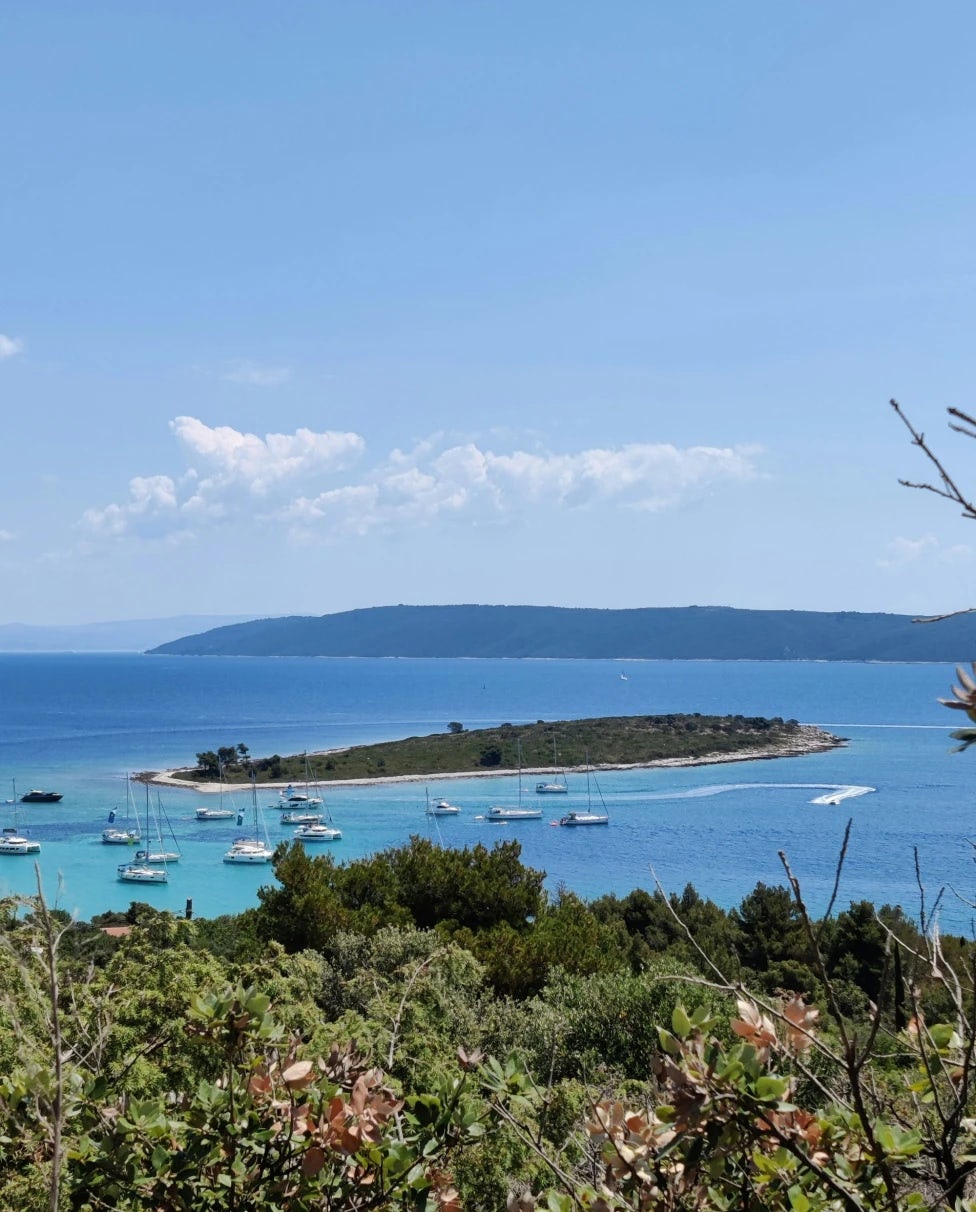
501,813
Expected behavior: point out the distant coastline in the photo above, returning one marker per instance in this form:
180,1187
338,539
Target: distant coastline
807,739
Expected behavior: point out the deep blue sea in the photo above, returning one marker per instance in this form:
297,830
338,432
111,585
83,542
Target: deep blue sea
78,722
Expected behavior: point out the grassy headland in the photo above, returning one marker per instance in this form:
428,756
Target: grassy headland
605,742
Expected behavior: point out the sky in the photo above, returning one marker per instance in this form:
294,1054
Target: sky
313,306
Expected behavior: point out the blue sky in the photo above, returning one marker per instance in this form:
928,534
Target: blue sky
313,306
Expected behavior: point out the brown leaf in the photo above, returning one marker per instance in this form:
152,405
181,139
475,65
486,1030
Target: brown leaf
298,1074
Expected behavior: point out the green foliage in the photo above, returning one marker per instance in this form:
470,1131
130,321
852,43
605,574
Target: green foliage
615,740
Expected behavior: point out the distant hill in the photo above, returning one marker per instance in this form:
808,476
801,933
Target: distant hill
131,635
663,633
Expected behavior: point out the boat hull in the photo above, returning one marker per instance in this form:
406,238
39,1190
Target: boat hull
131,874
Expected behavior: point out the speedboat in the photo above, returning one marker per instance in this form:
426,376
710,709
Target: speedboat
318,833
501,813
584,818
214,814
40,797
442,808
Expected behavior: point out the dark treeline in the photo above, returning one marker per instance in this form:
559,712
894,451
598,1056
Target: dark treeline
492,905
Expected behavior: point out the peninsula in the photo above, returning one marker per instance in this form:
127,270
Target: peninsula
607,743
686,633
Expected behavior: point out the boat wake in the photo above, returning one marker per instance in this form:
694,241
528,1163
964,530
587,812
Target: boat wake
833,793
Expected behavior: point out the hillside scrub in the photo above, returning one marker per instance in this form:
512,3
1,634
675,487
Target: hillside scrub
610,741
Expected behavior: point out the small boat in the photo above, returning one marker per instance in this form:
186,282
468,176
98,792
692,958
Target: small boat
125,834
291,798
157,854
555,787
41,797
142,873
120,837
220,813
584,818
501,813
442,808
247,850
11,842
589,817
318,833
301,818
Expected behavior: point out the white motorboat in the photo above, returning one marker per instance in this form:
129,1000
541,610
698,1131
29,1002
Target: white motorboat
214,814
442,808
254,849
301,818
318,833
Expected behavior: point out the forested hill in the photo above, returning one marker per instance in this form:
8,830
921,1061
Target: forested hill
664,633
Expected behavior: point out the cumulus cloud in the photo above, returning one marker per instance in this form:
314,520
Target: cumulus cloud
10,346
903,551
315,482
250,374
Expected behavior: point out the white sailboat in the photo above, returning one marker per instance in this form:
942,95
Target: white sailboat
256,849
12,841
555,787
501,813
220,813
589,817
158,853
142,869
125,834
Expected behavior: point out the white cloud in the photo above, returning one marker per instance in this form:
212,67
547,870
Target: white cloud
10,346
6,536
902,552
307,483
250,374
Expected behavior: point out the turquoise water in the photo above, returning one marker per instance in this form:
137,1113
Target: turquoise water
78,722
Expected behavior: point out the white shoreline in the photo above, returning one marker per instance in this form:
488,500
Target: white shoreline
810,740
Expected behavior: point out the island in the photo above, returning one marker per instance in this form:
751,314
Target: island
545,747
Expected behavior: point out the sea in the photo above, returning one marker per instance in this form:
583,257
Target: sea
78,723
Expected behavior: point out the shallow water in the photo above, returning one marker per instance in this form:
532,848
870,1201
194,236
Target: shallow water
78,722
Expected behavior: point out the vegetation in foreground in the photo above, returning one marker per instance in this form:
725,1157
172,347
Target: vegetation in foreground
426,1029
610,741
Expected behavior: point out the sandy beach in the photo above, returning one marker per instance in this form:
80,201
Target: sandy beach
808,739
